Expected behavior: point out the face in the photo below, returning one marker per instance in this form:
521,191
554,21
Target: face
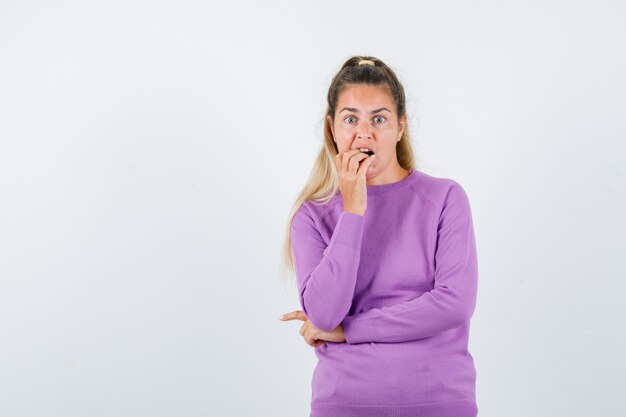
366,118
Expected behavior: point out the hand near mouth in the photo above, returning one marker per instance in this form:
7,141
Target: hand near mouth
352,166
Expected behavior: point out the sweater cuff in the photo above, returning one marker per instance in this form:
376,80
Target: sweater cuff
358,331
348,230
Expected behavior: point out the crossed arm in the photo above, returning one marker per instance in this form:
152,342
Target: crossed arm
327,276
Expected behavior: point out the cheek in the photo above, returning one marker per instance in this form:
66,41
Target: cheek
344,144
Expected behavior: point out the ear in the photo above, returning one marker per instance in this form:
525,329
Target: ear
402,122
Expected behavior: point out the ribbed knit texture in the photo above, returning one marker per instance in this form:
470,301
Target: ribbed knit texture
403,280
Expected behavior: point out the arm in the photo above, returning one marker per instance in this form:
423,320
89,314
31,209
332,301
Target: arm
326,275
452,301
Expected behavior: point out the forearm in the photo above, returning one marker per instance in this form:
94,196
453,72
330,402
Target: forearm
327,276
433,312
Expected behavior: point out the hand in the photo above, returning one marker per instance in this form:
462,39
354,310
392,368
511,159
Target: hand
312,335
352,168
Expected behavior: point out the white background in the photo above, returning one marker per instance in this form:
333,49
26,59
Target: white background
150,152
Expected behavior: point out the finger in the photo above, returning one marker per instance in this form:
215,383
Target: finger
345,160
366,163
362,159
358,158
317,342
351,160
298,314
338,159
309,340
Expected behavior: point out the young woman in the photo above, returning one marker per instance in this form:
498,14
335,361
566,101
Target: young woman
385,263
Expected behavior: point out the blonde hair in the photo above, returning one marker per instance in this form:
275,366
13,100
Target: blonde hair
323,181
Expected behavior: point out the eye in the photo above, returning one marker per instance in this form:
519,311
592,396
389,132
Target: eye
380,117
348,117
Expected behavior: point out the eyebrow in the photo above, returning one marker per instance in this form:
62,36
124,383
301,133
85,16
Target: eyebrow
357,111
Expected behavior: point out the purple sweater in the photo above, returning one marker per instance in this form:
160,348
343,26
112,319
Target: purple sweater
402,279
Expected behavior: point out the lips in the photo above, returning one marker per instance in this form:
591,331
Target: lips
366,150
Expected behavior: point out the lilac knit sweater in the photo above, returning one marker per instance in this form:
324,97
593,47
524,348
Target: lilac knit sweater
403,280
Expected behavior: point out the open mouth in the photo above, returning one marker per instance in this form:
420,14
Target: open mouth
369,152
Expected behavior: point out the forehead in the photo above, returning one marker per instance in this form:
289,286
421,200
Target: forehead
365,97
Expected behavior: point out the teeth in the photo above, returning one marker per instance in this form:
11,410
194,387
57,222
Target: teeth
363,149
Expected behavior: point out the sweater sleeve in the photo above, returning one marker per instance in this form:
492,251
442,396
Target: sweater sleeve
326,275
449,304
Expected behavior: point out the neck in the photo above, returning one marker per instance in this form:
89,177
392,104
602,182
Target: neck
392,174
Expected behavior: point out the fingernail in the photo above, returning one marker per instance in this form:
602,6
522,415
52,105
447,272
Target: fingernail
281,317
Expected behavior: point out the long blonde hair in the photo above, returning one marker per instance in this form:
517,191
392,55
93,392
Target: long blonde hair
323,181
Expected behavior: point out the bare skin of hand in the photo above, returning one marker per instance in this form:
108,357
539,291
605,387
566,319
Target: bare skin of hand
311,334
352,169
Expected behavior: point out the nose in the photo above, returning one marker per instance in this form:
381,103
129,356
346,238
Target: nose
363,130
